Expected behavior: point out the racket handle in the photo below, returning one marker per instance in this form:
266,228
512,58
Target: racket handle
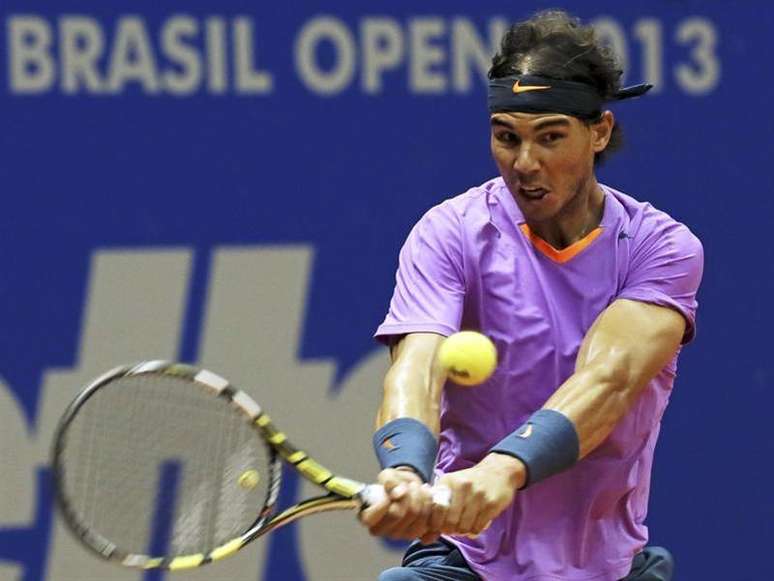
374,494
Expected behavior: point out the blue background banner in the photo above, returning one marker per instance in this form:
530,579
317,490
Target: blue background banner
228,184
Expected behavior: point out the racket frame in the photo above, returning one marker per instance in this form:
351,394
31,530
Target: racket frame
342,493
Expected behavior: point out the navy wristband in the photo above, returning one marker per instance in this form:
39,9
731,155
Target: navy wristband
406,442
546,444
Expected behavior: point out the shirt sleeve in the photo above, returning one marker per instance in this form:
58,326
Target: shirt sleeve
666,269
430,287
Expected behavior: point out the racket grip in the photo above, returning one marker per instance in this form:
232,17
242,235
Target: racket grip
374,494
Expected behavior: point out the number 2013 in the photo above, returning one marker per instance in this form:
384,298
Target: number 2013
697,73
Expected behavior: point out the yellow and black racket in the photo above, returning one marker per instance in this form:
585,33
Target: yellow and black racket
157,465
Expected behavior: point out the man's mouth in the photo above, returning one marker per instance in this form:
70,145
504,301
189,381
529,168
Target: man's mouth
532,193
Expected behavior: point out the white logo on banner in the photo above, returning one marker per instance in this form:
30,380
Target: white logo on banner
251,332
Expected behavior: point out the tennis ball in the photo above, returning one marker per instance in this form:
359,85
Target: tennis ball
469,357
249,479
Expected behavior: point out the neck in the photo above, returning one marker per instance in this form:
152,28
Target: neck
581,215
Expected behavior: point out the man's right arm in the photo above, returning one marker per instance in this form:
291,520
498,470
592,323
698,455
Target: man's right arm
414,382
412,389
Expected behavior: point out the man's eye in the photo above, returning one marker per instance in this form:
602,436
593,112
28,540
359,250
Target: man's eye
551,137
507,137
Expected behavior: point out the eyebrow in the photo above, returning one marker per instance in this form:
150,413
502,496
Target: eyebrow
557,121
499,121
551,123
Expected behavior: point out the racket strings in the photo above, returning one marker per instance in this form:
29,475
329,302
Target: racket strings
156,465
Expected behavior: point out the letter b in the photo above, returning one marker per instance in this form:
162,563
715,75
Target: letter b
32,68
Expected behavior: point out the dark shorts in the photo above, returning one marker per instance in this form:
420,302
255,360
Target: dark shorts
442,561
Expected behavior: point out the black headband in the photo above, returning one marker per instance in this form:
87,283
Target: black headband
533,94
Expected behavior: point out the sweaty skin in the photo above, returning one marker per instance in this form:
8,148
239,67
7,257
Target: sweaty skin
628,344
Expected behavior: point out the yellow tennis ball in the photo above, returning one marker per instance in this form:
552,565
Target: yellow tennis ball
249,479
469,357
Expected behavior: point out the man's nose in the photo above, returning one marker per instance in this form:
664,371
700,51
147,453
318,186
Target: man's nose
526,161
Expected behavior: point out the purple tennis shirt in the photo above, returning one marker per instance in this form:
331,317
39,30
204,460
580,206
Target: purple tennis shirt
471,263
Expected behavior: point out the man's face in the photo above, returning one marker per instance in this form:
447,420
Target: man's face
547,160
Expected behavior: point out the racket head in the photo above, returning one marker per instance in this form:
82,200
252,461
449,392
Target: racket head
155,464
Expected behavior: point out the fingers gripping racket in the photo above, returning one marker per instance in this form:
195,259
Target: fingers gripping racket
163,465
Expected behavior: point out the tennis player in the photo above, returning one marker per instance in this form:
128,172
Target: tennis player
589,295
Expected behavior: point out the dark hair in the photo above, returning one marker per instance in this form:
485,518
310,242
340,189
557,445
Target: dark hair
555,45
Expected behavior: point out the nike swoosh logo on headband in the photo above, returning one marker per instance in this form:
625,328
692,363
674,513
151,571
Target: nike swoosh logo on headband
517,88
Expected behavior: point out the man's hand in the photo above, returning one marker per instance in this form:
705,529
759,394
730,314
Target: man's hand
478,495
404,514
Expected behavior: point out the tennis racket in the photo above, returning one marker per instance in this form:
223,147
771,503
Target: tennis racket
164,465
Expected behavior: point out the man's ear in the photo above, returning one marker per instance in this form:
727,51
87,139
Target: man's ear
601,131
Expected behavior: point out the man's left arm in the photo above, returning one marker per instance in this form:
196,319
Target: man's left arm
628,344
635,337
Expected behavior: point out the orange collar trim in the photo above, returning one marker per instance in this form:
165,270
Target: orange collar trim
565,254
